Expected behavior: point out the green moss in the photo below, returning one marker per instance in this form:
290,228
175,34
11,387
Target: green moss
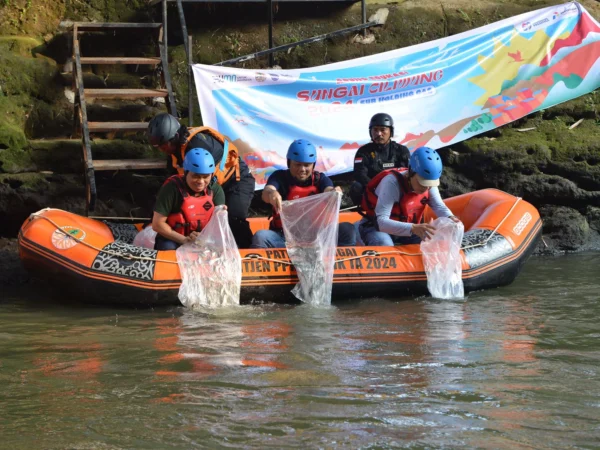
27,75
11,136
15,160
19,45
26,182
107,10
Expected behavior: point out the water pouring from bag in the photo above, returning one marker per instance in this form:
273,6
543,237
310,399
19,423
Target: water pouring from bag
442,259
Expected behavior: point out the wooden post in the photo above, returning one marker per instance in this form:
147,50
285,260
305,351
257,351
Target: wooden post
164,19
270,6
363,7
190,84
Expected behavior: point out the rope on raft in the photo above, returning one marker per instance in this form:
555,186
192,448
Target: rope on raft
258,257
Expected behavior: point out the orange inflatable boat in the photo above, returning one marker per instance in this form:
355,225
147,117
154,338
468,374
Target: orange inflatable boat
98,260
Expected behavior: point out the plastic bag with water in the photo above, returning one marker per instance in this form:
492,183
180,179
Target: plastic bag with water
211,267
310,225
145,238
442,261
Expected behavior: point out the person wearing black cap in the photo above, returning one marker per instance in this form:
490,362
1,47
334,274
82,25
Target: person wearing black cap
381,153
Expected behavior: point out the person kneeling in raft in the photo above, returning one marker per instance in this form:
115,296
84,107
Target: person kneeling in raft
185,203
394,202
298,181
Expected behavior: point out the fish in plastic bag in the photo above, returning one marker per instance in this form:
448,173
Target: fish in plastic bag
145,238
442,260
211,267
310,226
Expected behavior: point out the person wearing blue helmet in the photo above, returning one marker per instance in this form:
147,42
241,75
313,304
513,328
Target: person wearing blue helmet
298,181
394,202
185,203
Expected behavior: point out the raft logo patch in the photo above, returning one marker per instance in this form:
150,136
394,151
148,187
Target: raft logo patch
207,206
520,226
67,237
357,160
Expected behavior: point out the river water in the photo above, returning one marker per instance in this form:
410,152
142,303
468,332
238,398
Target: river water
509,368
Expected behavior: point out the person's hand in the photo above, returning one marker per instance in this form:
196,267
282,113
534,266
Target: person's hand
423,230
454,219
339,189
191,238
275,200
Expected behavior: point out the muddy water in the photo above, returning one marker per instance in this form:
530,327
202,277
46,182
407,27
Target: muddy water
515,367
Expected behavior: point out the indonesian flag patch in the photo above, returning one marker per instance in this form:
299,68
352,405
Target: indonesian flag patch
357,160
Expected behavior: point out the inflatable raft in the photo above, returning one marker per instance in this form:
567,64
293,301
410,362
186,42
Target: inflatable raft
98,262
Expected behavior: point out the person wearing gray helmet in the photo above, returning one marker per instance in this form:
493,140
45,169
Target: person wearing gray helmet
231,172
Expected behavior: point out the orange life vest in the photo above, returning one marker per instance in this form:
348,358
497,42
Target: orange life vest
230,162
409,209
195,211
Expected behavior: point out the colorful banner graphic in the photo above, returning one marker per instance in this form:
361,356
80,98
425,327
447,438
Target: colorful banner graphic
438,93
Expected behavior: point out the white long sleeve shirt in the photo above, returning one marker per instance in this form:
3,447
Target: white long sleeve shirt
389,192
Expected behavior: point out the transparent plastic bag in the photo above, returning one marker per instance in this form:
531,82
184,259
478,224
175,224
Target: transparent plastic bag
211,267
442,261
310,225
145,238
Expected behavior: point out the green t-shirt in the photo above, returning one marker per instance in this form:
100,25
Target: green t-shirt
169,199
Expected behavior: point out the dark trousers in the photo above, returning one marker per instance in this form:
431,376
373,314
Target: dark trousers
238,197
161,243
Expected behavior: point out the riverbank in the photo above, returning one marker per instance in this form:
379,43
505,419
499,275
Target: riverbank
550,158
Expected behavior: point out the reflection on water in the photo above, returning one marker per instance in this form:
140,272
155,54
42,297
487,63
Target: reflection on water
515,367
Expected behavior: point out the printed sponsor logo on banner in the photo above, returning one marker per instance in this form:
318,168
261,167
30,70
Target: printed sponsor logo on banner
274,76
569,10
260,77
539,23
230,78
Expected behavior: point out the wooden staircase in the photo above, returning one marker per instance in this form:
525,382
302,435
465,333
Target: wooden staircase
85,128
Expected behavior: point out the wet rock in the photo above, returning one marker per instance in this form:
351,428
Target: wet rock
593,217
565,229
11,270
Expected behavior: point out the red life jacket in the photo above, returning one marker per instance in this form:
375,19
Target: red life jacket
195,211
294,193
411,206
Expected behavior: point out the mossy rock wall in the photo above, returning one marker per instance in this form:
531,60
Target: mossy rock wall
554,167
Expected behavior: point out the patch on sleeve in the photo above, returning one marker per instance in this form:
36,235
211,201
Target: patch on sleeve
357,160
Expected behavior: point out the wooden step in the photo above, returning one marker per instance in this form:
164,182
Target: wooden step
120,60
125,93
99,26
117,126
129,164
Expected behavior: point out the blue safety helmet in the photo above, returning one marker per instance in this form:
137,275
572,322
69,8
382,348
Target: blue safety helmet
302,151
199,161
427,164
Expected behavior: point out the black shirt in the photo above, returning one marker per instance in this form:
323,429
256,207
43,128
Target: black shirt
373,158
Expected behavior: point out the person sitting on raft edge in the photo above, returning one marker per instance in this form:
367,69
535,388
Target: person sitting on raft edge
185,203
298,181
169,136
394,202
